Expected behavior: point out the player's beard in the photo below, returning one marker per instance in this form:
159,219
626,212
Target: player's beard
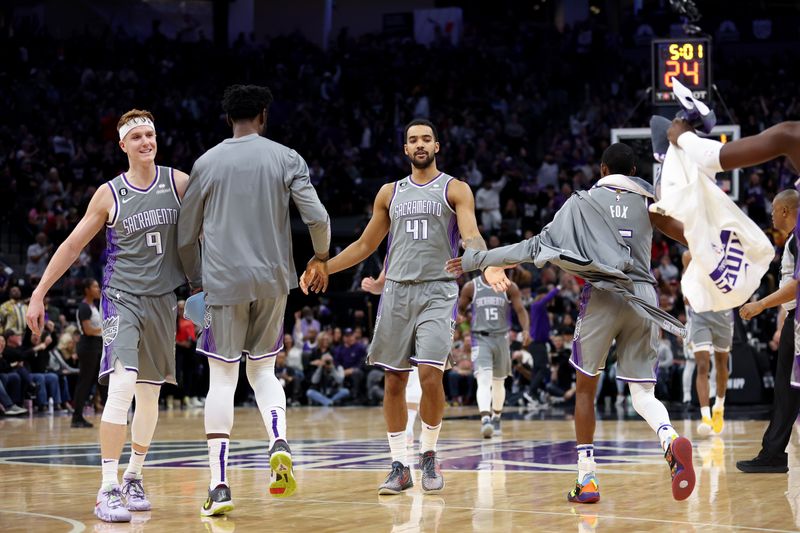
425,163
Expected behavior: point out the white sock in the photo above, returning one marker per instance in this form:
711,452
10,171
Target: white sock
498,394
110,476
412,417
666,434
429,437
705,412
720,402
397,446
586,464
218,460
135,464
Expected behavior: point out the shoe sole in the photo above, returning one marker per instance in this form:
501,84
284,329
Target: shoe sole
217,510
284,485
108,519
683,482
590,499
386,491
487,432
135,509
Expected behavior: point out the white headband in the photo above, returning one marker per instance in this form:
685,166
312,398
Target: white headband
135,123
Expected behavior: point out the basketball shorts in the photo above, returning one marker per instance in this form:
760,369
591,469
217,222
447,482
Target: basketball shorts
605,316
711,331
490,351
140,332
253,329
414,325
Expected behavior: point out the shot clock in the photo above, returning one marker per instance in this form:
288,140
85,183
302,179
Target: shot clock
688,60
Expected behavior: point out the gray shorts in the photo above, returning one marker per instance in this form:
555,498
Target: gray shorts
254,329
606,316
491,352
711,331
140,332
414,325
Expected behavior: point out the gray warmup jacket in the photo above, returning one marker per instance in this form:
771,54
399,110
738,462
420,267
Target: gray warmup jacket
578,232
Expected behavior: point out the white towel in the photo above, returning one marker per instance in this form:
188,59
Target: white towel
730,253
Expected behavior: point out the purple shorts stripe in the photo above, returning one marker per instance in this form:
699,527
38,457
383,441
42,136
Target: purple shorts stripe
393,369
266,355
426,362
208,343
582,371
577,352
217,356
637,380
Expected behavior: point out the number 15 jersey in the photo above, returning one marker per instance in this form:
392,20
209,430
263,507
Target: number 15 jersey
423,233
141,238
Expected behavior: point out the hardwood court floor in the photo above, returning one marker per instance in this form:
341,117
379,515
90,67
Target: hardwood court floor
517,482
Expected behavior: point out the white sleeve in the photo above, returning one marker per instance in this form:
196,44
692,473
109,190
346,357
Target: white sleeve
704,152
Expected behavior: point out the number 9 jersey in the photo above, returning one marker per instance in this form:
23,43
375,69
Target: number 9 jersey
423,233
142,254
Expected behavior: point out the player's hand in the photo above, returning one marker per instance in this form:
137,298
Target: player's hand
35,315
678,127
453,266
315,278
372,286
496,277
526,338
748,311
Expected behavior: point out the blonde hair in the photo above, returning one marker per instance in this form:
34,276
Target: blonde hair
134,113
64,342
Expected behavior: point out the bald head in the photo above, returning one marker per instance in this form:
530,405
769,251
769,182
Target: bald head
784,210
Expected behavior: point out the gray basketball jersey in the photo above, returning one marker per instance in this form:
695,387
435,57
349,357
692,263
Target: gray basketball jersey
490,310
628,213
423,233
142,237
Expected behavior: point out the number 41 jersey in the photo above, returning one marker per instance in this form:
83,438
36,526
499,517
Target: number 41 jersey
141,238
423,233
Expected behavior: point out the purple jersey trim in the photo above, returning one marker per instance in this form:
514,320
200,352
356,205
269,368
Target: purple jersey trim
417,185
149,187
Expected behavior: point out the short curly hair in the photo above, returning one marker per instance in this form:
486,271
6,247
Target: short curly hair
243,102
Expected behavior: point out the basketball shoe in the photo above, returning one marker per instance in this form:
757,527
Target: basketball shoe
135,498
496,424
718,419
705,427
586,490
219,501
282,482
487,429
432,479
679,459
398,480
110,506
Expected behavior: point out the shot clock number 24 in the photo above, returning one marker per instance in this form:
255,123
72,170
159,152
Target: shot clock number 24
688,60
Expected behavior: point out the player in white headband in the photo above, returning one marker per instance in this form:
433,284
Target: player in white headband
139,209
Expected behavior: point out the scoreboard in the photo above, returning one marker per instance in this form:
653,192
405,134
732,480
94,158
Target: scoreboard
688,60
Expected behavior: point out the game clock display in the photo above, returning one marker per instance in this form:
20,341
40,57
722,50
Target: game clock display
688,60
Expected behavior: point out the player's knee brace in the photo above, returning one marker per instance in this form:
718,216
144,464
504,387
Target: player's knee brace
145,417
121,387
222,380
268,390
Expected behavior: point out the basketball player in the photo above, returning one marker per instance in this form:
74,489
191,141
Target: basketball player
413,387
490,322
238,198
710,331
423,214
605,316
139,209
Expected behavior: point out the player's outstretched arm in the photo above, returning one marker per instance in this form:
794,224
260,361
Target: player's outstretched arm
101,204
515,295
779,140
460,196
785,294
367,243
668,226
